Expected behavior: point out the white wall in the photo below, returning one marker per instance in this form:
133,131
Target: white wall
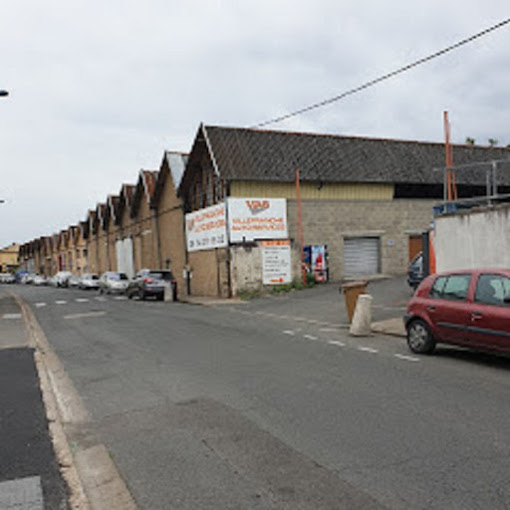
475,239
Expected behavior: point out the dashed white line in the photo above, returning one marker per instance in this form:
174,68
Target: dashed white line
12,316
368,349
100,298
40,305
311,337
82,300
61,302
289,332
336,342
406,358
328,330
81,315
120,298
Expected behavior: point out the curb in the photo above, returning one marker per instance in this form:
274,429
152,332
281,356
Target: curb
93,480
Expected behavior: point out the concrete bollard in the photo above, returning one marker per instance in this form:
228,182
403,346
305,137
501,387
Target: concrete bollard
362,320
168,293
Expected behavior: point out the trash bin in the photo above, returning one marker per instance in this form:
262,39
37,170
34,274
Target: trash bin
351,291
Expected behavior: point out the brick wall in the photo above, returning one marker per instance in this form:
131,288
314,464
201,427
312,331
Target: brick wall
209,272
170,228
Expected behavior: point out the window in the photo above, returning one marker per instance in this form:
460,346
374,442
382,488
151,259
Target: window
454,287
437,289
492,289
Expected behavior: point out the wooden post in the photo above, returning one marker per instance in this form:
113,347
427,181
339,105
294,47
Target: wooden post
300,228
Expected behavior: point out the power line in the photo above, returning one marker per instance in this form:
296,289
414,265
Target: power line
383,77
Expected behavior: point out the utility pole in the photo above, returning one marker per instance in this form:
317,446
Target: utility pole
3,93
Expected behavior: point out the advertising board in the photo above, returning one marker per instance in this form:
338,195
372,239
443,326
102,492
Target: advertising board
257,218
276,262
207,228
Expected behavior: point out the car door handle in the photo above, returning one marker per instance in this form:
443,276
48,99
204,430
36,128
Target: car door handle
476,315
431,307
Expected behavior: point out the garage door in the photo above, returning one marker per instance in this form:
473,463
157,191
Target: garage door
361,256
124,251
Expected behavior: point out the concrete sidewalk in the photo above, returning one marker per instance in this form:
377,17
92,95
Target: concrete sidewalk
394,327
29,471
325,303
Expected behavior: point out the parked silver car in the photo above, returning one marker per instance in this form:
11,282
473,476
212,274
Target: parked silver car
61,278
7,278
89,281
73,282
112,282
39,280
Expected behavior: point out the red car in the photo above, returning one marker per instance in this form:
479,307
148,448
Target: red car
469,308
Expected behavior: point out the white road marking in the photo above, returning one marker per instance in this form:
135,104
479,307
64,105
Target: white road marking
312,321
82,300
120,298
289,332
61,302
310,337
368,349
12,316
328,330
40,305
100,298
336,342
406,358
81,315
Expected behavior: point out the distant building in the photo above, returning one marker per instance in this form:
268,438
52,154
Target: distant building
9,258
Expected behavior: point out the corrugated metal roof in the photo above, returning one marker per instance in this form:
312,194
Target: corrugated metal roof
177,164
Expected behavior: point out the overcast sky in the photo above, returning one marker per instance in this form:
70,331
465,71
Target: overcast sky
99,89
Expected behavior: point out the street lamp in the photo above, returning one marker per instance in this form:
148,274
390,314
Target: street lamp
3,93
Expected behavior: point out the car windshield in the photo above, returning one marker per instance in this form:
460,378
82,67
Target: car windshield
161,275
117,276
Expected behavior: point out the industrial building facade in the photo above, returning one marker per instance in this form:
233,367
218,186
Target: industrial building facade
365,200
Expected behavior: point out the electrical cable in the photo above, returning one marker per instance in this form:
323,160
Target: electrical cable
383,77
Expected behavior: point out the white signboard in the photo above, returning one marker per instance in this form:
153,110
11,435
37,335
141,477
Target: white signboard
257,218
276,262
206,228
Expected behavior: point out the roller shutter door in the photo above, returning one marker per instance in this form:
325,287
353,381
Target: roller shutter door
124,251
361,256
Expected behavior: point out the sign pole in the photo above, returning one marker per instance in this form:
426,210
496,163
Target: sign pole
300,228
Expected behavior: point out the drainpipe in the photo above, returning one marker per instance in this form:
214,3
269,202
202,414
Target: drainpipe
158,238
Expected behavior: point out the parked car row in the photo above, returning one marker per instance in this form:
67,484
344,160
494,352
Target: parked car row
7,278
146,283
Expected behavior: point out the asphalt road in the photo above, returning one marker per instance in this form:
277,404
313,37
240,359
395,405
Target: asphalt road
258,407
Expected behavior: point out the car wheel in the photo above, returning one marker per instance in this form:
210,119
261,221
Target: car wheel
419,337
